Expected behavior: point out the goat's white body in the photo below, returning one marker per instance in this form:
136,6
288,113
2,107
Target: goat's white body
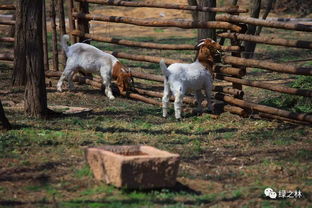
87,58
181,78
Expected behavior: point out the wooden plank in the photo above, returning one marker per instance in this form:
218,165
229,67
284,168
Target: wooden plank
186,24
277,67
264,23
265,109
151,4
6,57
262,85
268,40
144,44
7,7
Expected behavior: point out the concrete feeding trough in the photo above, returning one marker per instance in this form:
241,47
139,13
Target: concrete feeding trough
133,167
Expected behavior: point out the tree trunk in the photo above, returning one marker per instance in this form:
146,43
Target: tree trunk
35,91
4,121
19,70
255,6
205,17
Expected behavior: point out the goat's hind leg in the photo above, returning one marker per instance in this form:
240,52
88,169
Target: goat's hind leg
68,73
178,98
208,90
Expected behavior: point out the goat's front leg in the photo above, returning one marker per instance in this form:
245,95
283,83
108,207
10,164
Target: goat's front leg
199,99
107,83
178,104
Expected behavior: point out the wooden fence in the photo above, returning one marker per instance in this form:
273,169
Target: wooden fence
232,69
8,22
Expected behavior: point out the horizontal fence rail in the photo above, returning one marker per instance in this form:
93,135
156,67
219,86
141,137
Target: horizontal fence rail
265,109
186,24
283,68
145,44
165,6
6,39
268,40
7,7
6,57
6,22
265,23
263,85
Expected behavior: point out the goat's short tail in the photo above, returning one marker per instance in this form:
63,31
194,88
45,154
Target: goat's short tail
65,38
164,68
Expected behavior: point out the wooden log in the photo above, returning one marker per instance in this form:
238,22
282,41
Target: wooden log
152,59
158,23
153,77
7,39
83,23
264,109
144,44
283,68
45,37
151,4
7,22
262,85
270,116
6,57
264,23
268,40
230,71
62,29
7,7
141,98
54,36
235,110
71,21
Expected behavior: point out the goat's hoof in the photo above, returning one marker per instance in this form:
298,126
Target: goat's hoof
111,98
59,90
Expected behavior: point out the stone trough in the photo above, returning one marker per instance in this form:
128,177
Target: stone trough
133,167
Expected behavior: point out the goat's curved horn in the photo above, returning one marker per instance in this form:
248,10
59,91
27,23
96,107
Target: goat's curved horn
199,44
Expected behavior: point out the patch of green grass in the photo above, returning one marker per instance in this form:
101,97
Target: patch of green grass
85,171
304,154
101,189
291,102
159,30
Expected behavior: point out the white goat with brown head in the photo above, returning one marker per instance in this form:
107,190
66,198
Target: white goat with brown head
81,56
197,76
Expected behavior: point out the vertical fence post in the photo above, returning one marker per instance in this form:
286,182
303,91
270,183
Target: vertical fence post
235,42
62,28
72,25
44,37
54,37
83,24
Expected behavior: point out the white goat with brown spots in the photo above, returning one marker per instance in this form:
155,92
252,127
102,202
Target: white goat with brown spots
181,78
85,57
